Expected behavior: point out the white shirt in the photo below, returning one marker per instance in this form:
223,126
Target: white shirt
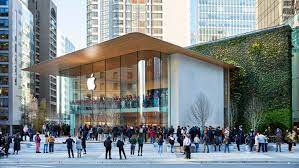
187,141
196,140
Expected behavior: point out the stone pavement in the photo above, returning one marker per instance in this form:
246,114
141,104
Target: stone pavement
96,155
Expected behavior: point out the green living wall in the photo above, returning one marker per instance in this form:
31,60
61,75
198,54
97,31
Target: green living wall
263,59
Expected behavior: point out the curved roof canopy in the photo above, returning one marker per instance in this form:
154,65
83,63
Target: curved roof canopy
122,45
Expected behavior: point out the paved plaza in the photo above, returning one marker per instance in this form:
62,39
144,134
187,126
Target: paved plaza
96,156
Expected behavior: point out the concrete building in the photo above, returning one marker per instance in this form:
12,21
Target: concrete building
137,79
45,28
107,19
16,53
271,13
214,19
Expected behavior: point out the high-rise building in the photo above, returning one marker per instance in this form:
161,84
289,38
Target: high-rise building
64,46
16,52
108,19
45,27
214,19
271,13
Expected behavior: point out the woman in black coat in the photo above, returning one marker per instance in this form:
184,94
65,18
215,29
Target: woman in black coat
84,144
17,144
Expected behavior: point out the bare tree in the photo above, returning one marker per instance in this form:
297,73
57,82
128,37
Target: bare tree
200,110
254,113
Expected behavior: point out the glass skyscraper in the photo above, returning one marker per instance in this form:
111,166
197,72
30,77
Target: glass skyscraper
214,19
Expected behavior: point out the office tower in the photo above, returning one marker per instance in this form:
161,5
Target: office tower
214,19
45,27
271,13
108,19
64,46
16,52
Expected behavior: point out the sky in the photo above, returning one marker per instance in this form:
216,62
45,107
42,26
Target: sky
72,20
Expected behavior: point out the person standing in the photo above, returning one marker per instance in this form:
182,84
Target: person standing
17,144
25,132
289,138
120,144
187,144
152,135
69,144
140,141
171,142
196,142
226,144
160,144
278,140
180,141
261,139
133,142
108,146
238,141
206,143
84,144
46,143
51,143
79,147
37,140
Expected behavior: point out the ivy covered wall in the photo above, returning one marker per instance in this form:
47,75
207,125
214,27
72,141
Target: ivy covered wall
264,72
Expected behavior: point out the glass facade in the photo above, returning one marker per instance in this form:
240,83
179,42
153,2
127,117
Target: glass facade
129,90
214,19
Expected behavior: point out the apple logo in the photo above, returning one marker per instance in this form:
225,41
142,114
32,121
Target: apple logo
90,83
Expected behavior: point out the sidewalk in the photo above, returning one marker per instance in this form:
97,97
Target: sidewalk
95,155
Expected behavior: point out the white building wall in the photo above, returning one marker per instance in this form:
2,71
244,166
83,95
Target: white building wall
189,77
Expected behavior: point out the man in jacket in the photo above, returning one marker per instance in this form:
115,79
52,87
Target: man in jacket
69,144
108,146
120,144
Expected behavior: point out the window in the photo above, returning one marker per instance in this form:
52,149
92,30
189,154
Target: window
157,31
157,15
4,12
3,68
3,45
156,8
3,57
3,2
3,80
3,23
3,102
4,34
3,91
115,74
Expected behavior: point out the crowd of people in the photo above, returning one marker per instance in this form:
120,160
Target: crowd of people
151,99
182,139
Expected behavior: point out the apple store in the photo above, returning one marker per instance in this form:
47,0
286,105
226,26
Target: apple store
137,79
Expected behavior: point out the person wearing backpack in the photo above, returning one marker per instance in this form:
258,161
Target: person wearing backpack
120,144
133,142
140,141
37,143
171,142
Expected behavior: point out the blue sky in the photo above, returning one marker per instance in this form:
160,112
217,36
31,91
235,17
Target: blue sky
72,20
